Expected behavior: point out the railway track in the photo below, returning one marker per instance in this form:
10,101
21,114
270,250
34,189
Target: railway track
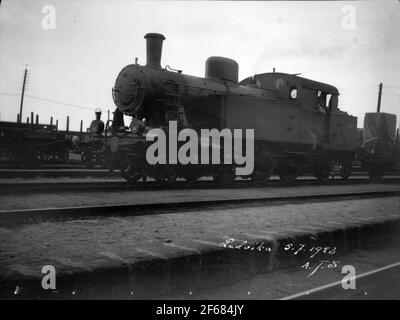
141,209
53,172
121,185
80,171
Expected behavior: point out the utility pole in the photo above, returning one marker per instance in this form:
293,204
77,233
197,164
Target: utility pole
22,94
379,98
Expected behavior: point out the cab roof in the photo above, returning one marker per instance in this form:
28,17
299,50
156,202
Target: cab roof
292,79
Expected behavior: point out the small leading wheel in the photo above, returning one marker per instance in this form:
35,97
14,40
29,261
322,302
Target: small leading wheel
131,175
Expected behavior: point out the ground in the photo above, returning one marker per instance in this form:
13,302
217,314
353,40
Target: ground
108,242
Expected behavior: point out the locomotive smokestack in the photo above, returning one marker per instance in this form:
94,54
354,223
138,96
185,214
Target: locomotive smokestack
154,49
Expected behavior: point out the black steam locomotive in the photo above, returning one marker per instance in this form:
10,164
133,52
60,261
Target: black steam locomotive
296,122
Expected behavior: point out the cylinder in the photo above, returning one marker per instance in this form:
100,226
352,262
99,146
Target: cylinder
154,43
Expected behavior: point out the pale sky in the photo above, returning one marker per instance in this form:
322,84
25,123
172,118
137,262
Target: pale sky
78,61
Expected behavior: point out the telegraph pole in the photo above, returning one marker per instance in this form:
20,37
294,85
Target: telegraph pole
379,98
22,95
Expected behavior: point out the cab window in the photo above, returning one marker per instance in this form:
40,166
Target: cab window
324,101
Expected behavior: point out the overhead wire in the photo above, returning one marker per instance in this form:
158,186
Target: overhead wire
49,100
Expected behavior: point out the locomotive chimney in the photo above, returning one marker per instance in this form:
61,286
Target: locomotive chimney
154,48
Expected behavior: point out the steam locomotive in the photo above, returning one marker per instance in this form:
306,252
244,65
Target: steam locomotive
297,124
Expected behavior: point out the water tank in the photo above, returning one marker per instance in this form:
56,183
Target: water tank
222,68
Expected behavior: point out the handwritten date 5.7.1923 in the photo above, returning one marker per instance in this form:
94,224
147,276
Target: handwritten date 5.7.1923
313,251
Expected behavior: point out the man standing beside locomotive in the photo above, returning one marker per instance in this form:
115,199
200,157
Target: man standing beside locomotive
97,125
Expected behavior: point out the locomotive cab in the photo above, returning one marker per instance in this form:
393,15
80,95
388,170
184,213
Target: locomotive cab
308,94
314,105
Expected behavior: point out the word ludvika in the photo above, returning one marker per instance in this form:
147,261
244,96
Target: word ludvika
230,153
244,245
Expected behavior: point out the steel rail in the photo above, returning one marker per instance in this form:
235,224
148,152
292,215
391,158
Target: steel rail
337,284
141,209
